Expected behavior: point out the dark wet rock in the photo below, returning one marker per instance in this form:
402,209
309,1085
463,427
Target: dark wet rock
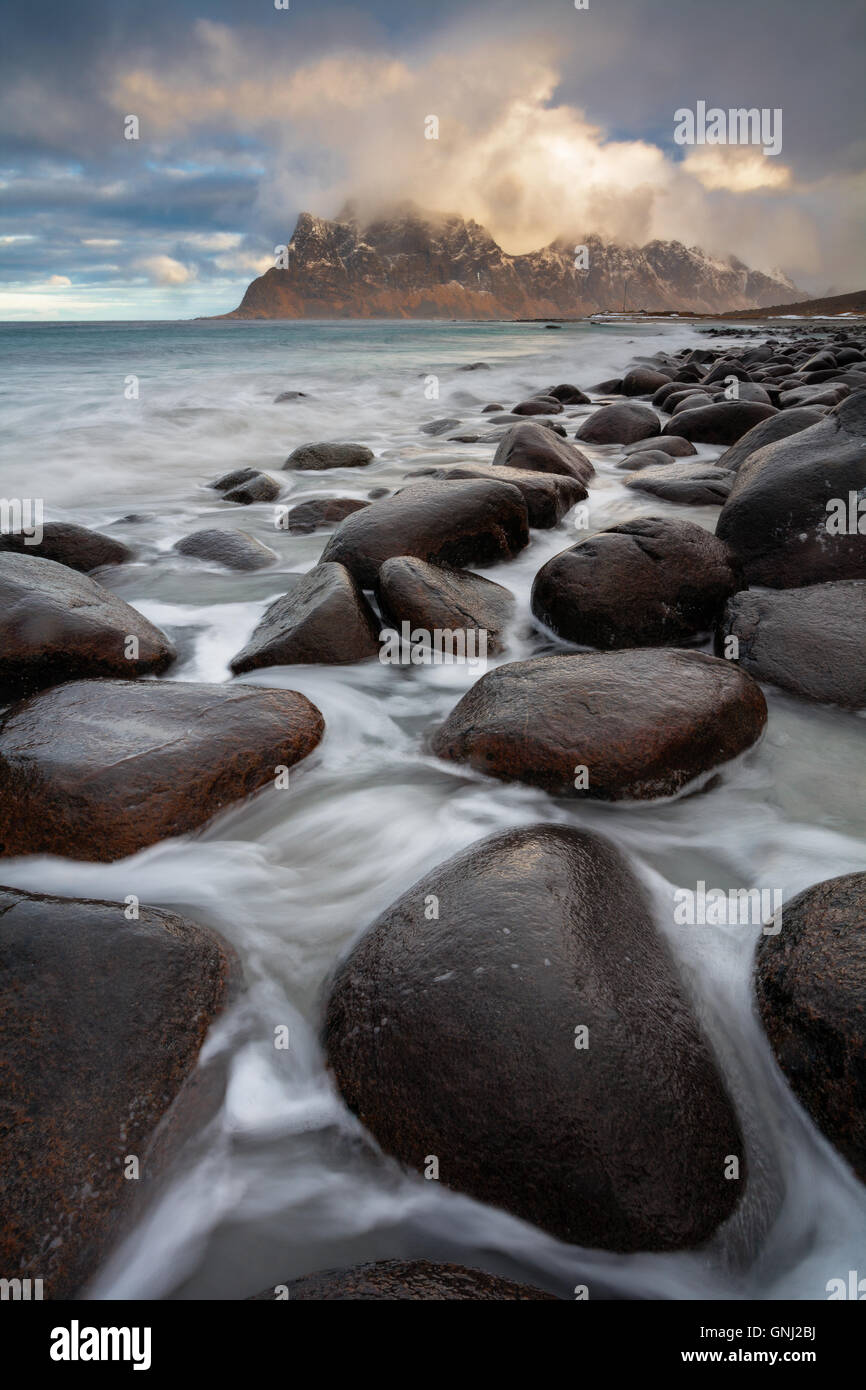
775,427
691,401
642,381
236,478
74,546
644,723
475,367
465,438
439,426
753,391
492,409
622,423
645,583
647,458
611,387
374,494
542,451
811,641
57,624
259,488
100,769
722,423
691,484
810,980
237,550
520,949
102,1020
289,396
548,496
814,395
324,619
783,515
719,370
451,523
568,394
539,405
394,1281
430,597
323,511
320,456
668,443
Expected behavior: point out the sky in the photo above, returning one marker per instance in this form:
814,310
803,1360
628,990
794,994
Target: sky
553,121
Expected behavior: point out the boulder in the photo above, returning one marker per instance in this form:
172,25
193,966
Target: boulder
722,423
538,405
236,478
642,381
810,981
668,443
451,523
775,427
324,618
622,423
642,723
647,458
320,456
258,488
102,1021
789,515
691,484
551,1074
413,1281
307,517
430,597
541,451
435,427
811,641
57,624
645,583
100,769
237,550
568,394
548,496
69,545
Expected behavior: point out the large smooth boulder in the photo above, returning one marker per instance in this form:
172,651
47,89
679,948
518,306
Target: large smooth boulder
102,1020
315,457
810,981
642,723
70,545
451,523
691,484
810,641
415,1281
57,624
779,517
430,597
670,444
645,583
324,618
237,550
647,458
775,427
306,517
538,405
722,423
540,450
643,381
100,769
621,423
256,488
548,496
517,1016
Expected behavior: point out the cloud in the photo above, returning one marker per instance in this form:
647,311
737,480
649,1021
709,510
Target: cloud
165,270
59,281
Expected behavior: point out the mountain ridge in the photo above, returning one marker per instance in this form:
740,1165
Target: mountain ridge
414,264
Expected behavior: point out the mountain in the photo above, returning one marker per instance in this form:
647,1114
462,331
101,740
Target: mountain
854,303
412,264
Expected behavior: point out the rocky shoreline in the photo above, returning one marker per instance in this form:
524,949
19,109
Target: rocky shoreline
653,639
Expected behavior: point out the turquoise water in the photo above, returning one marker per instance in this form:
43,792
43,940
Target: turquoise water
282,1184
